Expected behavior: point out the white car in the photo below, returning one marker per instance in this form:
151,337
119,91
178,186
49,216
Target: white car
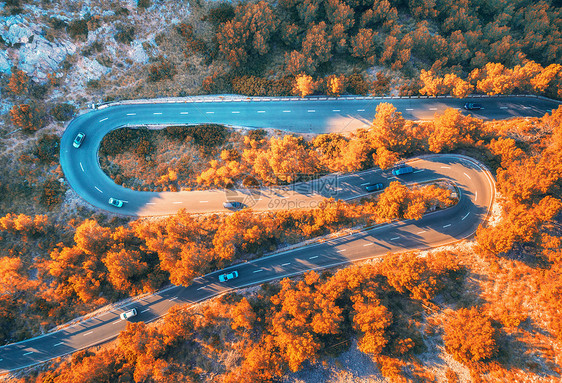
128,314
78,140
228,276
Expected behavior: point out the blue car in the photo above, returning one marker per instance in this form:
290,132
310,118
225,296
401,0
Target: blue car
375,187
403,170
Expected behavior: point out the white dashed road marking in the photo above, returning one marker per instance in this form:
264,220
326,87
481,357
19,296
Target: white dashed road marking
103,119
88,333
432,108
462,219
446,226
503,107
365,183
58,344
475,196
336,110
178,202
261,111
313,257
258,271
131,114
420,232
368,244
202,287
340,251
210,112
184,112
419,171
174,298
311,111
157,113
81,167
145,310
117,321
467,176
394,239
98,189
286,111
203,201
445,167
286,264
409,109
360,110
28,353
235,112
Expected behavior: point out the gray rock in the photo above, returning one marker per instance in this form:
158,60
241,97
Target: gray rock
5,64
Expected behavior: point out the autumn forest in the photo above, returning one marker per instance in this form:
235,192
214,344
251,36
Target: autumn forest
484,309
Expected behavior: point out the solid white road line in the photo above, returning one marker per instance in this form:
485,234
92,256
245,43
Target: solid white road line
286,264
258,271
131,114
467,176
184,112
157,113
88,333
145,310
103,119
446,226
81,167
98,189
395,238
58,344
462,219
313,257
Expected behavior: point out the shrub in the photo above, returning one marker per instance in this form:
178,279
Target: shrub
161,70
78,29
26,117
144,4
47,148
125,34
63,112
51,192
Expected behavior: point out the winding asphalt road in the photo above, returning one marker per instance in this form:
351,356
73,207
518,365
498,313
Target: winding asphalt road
475,183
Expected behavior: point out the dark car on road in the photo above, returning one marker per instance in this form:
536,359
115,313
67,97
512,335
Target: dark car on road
228,276
472,106
235,205
374,187
405,169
